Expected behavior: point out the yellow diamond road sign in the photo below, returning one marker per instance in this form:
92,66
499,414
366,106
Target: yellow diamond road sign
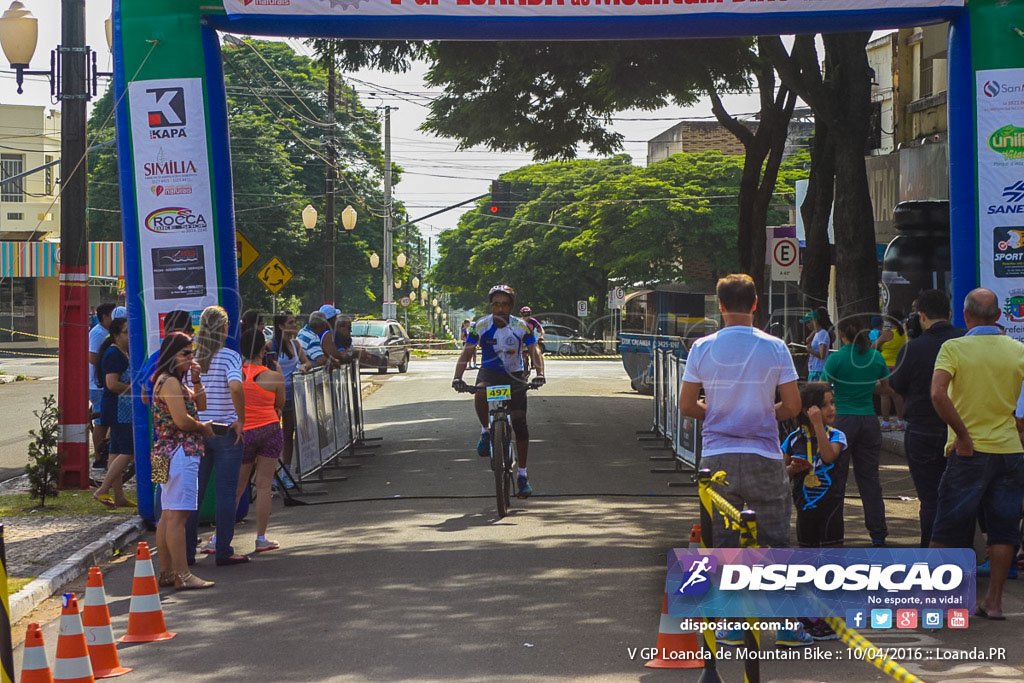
274,275
245,253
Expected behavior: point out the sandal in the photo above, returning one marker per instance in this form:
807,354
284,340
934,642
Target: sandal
190,582
166,580
127,504
105,499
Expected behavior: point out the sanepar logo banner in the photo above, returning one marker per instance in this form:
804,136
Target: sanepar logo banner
826,582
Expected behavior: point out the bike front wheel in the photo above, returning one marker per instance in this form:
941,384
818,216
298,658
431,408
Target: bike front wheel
499,448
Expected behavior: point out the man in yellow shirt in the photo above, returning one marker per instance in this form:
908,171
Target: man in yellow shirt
975,387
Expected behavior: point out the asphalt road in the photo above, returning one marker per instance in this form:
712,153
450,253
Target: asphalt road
18,400
403,572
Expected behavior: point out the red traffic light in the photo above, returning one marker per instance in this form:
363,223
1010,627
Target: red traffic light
494,208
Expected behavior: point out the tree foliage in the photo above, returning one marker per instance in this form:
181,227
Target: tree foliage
277,120
582,223
43,466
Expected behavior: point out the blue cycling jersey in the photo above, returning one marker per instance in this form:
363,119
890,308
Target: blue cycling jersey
501,347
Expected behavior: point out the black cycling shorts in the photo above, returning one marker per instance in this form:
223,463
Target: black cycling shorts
487,378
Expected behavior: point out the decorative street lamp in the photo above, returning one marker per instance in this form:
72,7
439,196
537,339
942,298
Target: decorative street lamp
348,218
400,259
374,260
309,216
398,284
415,282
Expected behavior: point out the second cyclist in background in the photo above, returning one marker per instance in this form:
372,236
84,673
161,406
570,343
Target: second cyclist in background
502,338
538,332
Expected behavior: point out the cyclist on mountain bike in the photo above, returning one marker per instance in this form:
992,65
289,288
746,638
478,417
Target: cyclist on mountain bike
526,313
502,337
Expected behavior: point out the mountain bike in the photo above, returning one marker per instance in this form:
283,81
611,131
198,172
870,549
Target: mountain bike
503,448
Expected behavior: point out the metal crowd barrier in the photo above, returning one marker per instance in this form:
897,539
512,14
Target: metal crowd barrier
328,418
681,434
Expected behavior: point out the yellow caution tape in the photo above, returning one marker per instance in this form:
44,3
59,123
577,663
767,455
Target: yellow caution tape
29,334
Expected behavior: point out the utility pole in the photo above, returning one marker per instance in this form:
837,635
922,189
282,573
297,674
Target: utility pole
332,175
389,295
72,390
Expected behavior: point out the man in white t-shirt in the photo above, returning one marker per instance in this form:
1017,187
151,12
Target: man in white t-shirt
740,368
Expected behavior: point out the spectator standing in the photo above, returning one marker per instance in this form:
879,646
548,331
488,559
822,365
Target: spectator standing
343,337
889,343
740,368
309,338
463,333
264,400
97,335
113,370
327,344
975,387
855,370
176,453
924,441
290,358
819,340
174,321
221,370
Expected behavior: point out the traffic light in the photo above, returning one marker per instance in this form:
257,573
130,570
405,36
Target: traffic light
501,203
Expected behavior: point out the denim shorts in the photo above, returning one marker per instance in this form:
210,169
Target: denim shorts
95,397
991,482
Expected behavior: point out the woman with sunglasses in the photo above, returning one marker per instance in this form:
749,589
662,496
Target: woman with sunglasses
176,454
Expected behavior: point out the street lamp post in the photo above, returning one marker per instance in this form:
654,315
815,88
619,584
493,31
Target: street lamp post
71,76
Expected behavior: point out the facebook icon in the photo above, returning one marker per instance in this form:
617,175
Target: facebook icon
856,618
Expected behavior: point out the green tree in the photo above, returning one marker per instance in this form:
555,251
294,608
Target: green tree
44,463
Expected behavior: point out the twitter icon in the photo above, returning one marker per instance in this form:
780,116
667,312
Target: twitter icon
881,618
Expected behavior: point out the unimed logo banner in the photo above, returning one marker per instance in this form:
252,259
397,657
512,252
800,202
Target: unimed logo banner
826,582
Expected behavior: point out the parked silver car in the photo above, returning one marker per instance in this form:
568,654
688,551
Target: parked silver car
382,344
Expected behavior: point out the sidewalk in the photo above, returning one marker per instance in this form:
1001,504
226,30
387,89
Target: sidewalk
54,550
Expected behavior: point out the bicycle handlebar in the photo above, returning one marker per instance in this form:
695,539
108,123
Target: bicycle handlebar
472,388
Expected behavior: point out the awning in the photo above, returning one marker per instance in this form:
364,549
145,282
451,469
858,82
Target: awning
41,259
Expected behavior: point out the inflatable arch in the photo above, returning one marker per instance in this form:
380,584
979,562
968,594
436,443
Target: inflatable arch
172,120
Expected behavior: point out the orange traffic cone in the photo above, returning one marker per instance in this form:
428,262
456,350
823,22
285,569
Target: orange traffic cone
695,536
145,616
677,649
98,634
34,667
72,662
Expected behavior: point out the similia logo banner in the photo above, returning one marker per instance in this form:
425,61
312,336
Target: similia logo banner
786,582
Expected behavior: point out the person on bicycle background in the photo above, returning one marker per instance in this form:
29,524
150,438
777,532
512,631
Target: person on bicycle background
502,338
526,313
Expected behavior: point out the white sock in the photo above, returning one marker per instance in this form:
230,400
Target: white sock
261,538
485,430
522,471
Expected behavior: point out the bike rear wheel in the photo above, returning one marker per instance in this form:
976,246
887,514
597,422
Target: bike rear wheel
499,448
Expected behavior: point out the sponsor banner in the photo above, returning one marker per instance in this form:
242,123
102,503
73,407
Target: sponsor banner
566,8
999,98
781,582
173,198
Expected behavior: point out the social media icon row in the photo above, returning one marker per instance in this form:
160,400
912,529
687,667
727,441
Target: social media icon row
905,618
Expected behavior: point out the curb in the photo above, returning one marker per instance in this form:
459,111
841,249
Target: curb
50,581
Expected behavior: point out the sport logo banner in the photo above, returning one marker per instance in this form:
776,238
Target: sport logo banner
786,582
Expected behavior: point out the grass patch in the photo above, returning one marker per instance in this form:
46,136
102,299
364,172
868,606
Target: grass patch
67,503
15,584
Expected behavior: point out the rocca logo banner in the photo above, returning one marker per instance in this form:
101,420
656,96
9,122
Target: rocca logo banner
786,582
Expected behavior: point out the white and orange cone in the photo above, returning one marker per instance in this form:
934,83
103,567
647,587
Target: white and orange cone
677,649
34,666
99,636
72,664
145,615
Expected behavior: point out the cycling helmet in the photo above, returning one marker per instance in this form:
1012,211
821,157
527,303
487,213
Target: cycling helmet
525,310
505,289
